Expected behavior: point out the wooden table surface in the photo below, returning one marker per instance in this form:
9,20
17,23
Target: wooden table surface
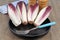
54,33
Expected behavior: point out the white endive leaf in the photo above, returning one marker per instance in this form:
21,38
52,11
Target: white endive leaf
24,13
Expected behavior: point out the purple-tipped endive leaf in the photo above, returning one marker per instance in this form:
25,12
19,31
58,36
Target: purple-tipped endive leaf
24,13
19,7
19,10
35,12
32,12
12,14
40,15
44,16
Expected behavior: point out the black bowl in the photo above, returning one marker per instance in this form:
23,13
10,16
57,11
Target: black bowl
38,32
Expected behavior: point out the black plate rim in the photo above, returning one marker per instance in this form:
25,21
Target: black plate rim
30,35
